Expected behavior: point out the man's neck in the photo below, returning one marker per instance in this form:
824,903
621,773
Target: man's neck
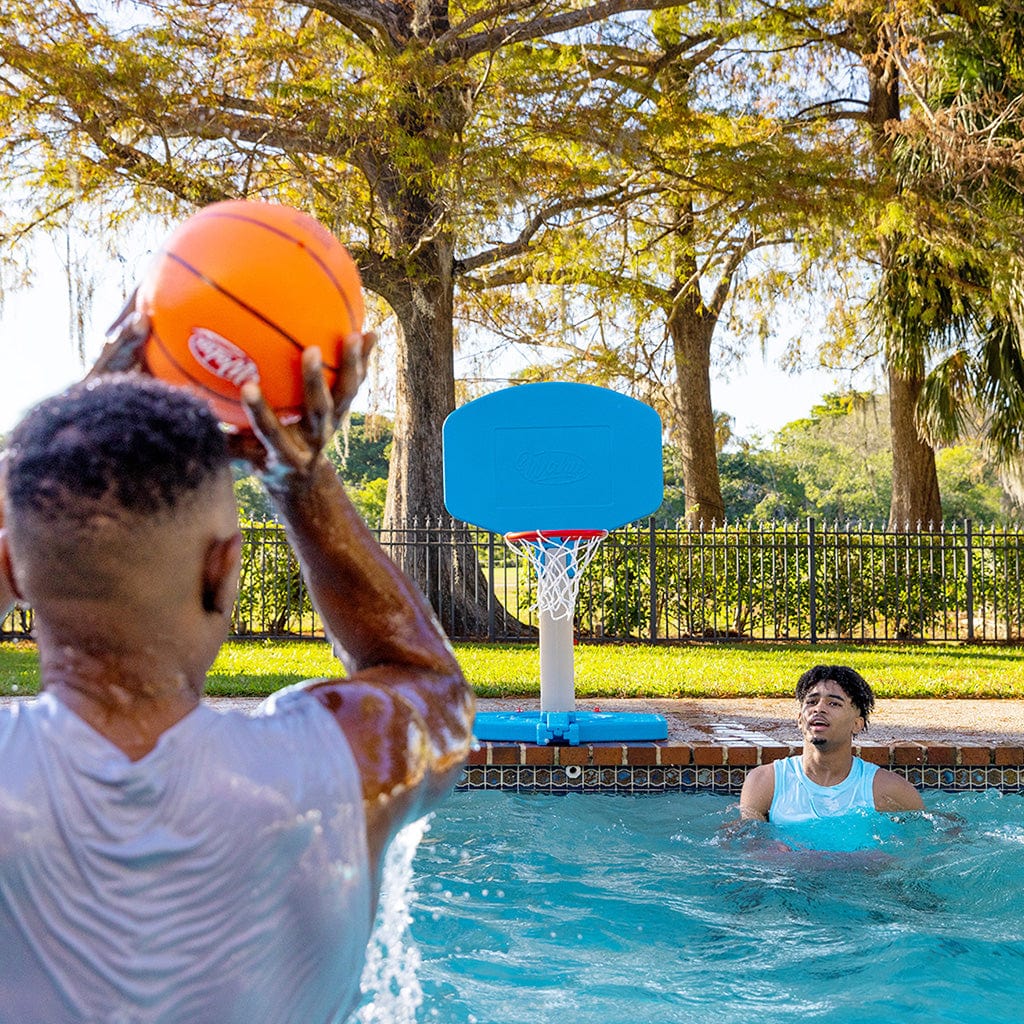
107,692
827,766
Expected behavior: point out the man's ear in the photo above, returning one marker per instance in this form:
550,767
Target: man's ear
8,587
220,574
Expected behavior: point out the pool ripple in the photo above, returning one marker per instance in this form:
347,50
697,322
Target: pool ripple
588,910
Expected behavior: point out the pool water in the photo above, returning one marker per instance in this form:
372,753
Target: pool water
597,909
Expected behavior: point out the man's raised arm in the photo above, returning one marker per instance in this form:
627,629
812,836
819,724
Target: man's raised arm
405,707
7,595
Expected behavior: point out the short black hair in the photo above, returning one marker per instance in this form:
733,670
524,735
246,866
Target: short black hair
127,439
852,683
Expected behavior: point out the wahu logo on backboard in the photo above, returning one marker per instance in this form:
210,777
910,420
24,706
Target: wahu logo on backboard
554,468
221,357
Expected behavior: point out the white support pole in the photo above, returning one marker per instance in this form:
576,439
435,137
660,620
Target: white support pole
557,682
557,678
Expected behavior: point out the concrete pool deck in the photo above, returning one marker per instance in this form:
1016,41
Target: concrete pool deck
711,743
744,721
935,743
741,719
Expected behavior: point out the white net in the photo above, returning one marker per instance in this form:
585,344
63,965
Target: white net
559,560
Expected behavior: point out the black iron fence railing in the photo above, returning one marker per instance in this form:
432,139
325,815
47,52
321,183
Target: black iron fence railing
655,583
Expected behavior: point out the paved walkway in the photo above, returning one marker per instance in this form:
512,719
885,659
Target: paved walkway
754,721
950,744
742,720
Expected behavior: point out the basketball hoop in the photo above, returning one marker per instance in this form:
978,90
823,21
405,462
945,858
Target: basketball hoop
559,558
548,454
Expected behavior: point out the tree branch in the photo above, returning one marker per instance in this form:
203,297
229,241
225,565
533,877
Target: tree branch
142,167
732,263
522,242
539,27
369,21
829,104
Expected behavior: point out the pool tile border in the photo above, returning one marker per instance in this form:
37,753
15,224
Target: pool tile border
719,768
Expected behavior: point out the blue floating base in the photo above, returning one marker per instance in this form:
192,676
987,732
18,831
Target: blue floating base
568,728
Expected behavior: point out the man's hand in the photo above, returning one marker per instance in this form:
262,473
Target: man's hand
126,337
273,449
286,450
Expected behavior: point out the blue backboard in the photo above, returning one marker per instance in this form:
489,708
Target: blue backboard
552,457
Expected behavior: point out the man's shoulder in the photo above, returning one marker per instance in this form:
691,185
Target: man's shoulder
22,711
293,715
298,699
758,791
892,792
768,772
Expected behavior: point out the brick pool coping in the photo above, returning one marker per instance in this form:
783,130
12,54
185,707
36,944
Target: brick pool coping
945,755
711,744
722,767
742,755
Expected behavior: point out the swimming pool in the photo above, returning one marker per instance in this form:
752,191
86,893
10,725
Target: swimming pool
588,909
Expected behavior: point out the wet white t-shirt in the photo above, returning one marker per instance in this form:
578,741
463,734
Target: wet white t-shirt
221,879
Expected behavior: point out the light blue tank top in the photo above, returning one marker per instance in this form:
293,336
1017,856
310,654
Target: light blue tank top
797,798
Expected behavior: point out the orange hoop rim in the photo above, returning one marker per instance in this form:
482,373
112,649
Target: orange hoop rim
542,535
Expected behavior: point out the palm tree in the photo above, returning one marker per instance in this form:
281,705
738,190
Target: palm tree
950,298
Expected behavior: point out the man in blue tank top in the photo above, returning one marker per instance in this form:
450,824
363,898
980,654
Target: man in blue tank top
826,780
162,862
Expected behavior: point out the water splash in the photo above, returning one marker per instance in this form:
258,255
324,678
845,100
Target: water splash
390,982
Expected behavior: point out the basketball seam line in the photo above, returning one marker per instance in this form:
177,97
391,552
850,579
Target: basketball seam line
312,255
242,304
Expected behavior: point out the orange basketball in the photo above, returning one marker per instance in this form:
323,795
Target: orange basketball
237,293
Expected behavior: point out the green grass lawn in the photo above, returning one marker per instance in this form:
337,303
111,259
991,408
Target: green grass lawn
695,670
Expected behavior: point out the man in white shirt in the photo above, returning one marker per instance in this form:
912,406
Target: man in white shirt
826,780
161,862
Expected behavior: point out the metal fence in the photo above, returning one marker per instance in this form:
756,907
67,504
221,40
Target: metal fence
654,583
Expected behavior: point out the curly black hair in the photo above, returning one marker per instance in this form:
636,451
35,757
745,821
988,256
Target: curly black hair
126,439
851,682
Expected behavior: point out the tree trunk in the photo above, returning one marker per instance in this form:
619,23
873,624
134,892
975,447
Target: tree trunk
415,525
915,489
691,329
425,388
418,283
691,325
915,484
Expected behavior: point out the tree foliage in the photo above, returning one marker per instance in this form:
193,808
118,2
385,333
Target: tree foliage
626,177
721,172
438,141
957,290
360,452
835,465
